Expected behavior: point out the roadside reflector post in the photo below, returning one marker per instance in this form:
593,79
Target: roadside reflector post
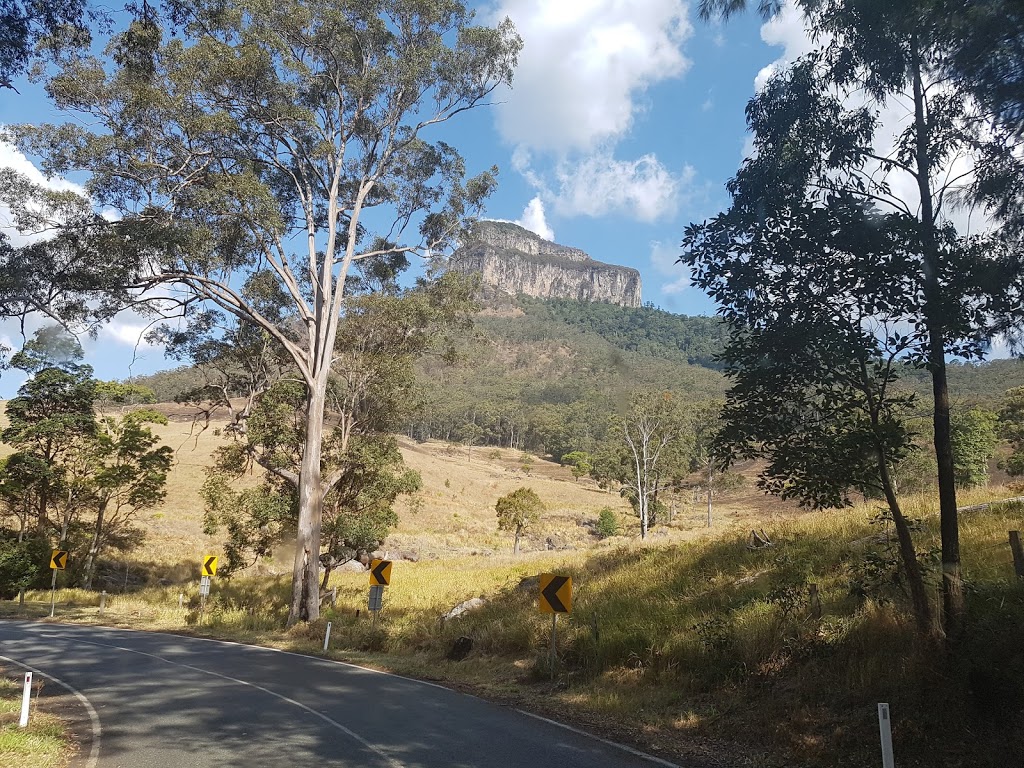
53,593
885,731
26,698
327,636
181,600
103,601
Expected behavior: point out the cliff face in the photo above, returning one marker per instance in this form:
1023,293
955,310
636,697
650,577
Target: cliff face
515,260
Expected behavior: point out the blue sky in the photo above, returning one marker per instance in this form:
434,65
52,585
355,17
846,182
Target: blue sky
623,125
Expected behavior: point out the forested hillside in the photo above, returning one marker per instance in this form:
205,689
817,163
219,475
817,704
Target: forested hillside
545,375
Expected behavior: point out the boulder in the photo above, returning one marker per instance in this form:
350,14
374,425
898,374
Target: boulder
465,607
460,648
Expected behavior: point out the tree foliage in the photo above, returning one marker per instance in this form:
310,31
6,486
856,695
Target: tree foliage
974,444
1011,429
252,145
648,450
517,512
77,480
893,278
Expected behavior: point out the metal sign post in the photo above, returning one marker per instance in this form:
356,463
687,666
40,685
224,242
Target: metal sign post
58,562
204,590
555,598
885,731
554,638
376,600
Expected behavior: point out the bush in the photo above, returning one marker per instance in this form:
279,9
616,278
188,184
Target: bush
22,565
607,523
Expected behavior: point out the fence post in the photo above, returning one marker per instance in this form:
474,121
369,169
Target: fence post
815,599
1018,554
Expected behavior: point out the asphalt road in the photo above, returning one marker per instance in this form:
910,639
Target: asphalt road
163,701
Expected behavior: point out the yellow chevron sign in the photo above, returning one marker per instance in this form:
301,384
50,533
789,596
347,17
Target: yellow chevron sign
380,573
555,593
59,560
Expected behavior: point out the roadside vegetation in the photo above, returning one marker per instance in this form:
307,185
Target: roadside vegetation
44,743
708,647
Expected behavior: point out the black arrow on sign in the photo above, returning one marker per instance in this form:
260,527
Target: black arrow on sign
550,593
378,572
208,565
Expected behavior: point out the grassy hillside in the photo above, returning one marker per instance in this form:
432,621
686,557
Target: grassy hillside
689,645
453,515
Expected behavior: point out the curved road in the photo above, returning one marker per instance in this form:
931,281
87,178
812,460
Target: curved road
165,701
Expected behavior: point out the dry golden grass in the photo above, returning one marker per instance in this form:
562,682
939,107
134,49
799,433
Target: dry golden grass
690,641
453,516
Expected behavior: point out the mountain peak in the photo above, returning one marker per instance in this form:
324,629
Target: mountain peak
515,260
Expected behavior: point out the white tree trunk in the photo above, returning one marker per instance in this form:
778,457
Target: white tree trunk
306,567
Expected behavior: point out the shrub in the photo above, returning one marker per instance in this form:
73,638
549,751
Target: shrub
607,523
22,565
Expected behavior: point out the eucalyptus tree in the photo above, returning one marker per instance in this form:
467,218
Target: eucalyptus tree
517,512
820,141
379,338
983,41
126,471
48,420
265,139
814,296
646,450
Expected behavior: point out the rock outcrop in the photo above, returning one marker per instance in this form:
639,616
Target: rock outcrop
514,260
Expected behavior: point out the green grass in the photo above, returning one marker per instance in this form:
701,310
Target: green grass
44,743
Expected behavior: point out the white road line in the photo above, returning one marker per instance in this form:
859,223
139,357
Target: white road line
347,731
623,747
94,752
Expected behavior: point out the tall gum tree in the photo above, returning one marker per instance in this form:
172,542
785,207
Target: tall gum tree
259,140
820,141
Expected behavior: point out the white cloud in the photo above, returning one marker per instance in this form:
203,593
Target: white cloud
580,84
599,184
584,66
533,219
788,31
11,157
129,334
663,262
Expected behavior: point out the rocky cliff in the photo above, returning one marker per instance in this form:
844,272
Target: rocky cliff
515,260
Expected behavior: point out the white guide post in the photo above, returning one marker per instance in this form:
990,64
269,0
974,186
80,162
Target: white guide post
885,731
26,699
327,636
